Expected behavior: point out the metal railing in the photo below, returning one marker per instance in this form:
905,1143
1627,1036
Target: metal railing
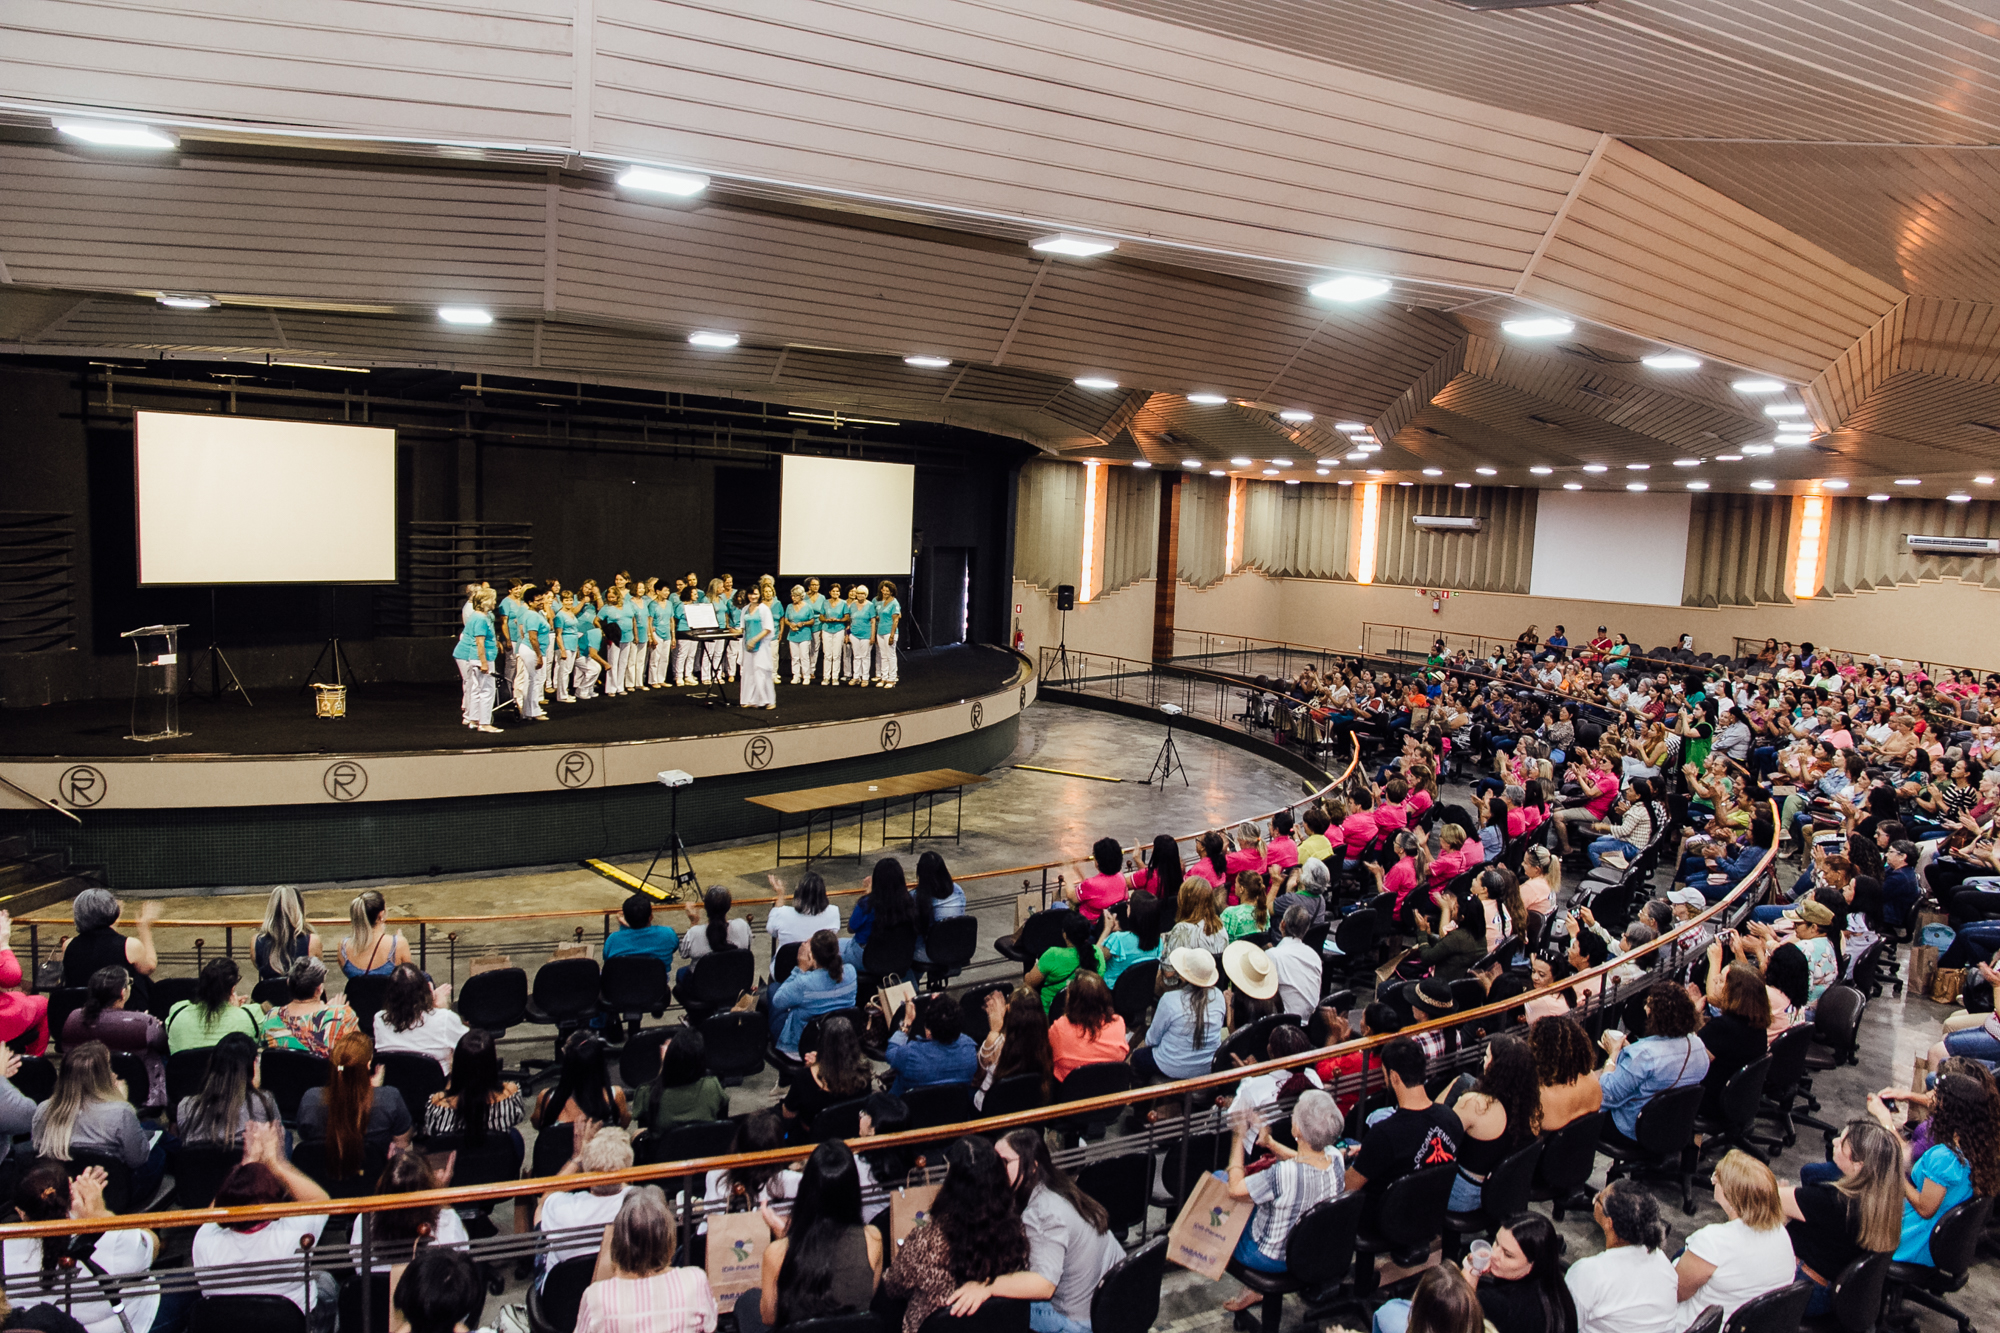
1935,670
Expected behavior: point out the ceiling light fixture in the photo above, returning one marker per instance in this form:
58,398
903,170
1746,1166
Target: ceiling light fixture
1671,361
1349,288
1374,471
1351,427
1140,463
1729,458
1834,485
1207,399
1486,471
652,180
1282,462
1540,326
1095,382
1076,247
109,134
1356,456
1296,417
1572,485
1758,449
1595,467
1687,462
1878,496
1759,386
1270,472
1541,471
1291,481
1982,481
1217,472
186,301
1638,467
1697,485
1785,410
1191,462
1462,485
1635,485
1762,485
1345,481
1241,462
713,340
464,314
1909,481
1958,498
927,362
1323,472
1433,472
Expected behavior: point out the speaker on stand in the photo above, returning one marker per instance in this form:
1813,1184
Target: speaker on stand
1065,603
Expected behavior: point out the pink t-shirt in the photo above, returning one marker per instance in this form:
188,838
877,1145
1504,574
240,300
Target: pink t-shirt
1098,892
1357,831
1401,878
1420,801
1199,868
1281,853
1535,894
1247,858
1392,816
1517,823
1472,854
1607,792
1446,865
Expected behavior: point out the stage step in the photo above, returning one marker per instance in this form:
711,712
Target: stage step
14,848
30,869
23,899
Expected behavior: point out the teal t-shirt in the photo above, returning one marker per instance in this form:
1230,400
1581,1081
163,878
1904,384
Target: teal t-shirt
593,637
510,609
885,616
537,624
621,616
587,614
799,622
861,620
663,619
835,615
567,627
479,628
816,603
1941,1163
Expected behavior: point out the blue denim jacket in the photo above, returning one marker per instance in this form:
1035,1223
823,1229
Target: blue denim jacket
803,994
1647,1068
919,1064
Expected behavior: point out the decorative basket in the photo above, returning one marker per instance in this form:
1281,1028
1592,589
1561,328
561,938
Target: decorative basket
331,701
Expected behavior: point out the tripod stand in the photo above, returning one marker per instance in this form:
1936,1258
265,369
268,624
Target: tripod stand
674,780
218,664
1062,669
332,650
1168,761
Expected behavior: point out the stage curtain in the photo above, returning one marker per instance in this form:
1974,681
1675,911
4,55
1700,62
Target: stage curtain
1131,526
1204,520
1495,559
1048,524
1298,531
1866,552
1736,550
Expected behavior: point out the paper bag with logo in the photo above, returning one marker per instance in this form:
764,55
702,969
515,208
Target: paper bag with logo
908,1208
1206,1232
736,1245
1946,982
576,950
1026,905
892,997
1923,963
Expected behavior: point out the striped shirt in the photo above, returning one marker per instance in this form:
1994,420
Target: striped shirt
676,1301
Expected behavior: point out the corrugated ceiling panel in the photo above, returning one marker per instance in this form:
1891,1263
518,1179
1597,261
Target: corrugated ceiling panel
500,70
1956,338
1860,370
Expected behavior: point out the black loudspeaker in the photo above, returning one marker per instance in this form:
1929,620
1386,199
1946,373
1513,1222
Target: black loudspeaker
1065,597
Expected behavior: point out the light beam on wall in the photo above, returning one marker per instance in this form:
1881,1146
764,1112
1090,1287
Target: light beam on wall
1364,556
1812,530
1229,532
1088,582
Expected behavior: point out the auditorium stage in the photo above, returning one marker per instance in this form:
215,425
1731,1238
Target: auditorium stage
270,793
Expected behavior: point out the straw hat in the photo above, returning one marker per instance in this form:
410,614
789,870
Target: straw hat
1194,966
1250,968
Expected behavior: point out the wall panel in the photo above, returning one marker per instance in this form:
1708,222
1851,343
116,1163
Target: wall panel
1737,547
1048,524
1131,526
1865,550
1495,559
1299,531
1204,527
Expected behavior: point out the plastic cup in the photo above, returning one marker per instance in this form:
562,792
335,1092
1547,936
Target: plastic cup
1481,1254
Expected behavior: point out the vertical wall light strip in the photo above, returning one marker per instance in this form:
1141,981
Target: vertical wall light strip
1229,533
1806,573
1088,582
1364,555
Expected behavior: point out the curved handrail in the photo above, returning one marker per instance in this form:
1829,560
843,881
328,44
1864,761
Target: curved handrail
495,1193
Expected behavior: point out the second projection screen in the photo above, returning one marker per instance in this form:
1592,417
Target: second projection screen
839,516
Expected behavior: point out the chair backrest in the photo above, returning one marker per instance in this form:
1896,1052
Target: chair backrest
1777,1311
998,1315
639,1058
229,1314
1666,1123
1569,1154
309,1156
494,1159
289,1075
199,1172
1744,1093
1015,1093
633,983
1127,1299
553,1306
415,1077
117,1178
1356,933
1508,1185
940,1104
274,991
735,1043
890,949
1857,1292
36,1078
132,1069
553,1147
1837,1016
842,1120
1788,1060
1132,993
377,1296
63,1002
365,996
1095,1080
1041,932
701,1138
166,992
566,987
494,1000
1955,1237
717,979
1320,1248
1123,1184
185,1071
1413,1206
952,942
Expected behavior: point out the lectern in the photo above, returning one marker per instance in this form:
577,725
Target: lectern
156,683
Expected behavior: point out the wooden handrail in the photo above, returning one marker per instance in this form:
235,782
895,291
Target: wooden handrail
495,1193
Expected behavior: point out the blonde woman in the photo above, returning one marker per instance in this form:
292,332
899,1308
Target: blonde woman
89,1113
888,618
371,950
833,618
710,665
1728,1263
477,655
285,937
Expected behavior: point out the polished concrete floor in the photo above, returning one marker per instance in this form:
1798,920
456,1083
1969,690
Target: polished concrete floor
1019,818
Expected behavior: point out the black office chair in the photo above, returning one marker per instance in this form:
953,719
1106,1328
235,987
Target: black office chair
1659,1145
1355,938
1037,935
1127,1299
1410,1217
199,1172
310,1156
62,1003
553,1147
274,991
632,986
1014,1094
1708,1321
563,996
138,1082
364,997
1094,1080
1132,994
290,1075
166,992
1503,1195
414,1077
1783,1082
890,951
940,1104
232,1314
1736,1112
36,1078
696,1139
1123,1184
1774,1312
185,1072
950,946
1319,1255
1857,1297
553,1305
494,1000
735,1045
1954,1248
842,1120
639,1057
375,1291
999,1314
715,982
861,1321
1569,1156
1837,1027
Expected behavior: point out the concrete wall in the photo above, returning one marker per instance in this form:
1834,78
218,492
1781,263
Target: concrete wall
1946,622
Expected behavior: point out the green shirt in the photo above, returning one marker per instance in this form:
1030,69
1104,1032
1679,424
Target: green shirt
659,1108
1241,920
189,1027
1057,966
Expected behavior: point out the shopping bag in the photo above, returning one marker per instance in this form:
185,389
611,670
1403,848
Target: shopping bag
1026,904
736,1245
909,1208
490,962
892,997
1919,1082
1204,1236
579,949
1388,969
1923,963
1946,982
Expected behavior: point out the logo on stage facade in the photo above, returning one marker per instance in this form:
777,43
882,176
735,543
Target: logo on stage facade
82,786
892,734
978,715
345,780
757,754
575,768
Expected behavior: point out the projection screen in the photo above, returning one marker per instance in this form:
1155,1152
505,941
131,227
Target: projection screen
839,516
1577,532
227,499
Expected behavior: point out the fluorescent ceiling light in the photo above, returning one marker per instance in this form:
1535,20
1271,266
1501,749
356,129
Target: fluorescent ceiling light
1369,448
1207,399
1757,449
1762,485
1541,326
1323,472
1958,499
1541,471
1687,462
1878,496
1729,458
1572,485
1671,361
1374,471
1141,463
1217,472
1635,485
1433,472
1834,485
1350,427
1357,455
186,301
1909,481
110,134
1595,467
1076,247
1350,287
1463,485
1241,462
1191,462
927,362
1983,481
1486,471
652,180
1291,481
1095,382
464,314
1406,483
1697,485
1638,467
1295,416
713,339
1270,472
1759,386
1344,481
1282,462
1785,410
322,365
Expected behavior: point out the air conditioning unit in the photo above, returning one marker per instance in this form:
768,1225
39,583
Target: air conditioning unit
1448,522
1953,545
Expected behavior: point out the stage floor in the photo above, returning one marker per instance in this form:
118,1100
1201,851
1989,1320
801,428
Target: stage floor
388,718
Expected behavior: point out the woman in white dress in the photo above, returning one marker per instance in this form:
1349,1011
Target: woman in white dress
760,653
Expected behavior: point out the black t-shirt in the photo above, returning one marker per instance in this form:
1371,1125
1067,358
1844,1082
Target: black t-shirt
1516,1307
1828,1240
388,1116
1732,1044
1405,1142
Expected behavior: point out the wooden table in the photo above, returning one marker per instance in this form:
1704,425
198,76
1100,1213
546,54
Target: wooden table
834,801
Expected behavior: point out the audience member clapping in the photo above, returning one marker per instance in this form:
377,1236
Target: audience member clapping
45,1193
1312,1173
220,1248
597,1148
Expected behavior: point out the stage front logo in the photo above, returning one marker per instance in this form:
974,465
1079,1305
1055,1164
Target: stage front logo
345,780
575,768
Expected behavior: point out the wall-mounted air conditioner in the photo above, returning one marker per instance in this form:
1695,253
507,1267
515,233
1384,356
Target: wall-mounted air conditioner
1953,545
1448,522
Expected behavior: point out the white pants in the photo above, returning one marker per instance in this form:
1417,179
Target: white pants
658,654
860,652
614,669
584,681
801,657
684,660
885,657
565,668
733,655
478,686
830,643
635,664
528,684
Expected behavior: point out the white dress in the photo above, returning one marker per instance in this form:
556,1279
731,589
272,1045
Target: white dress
760,667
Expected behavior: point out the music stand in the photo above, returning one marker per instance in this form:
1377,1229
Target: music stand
673,780
158,676
1169,758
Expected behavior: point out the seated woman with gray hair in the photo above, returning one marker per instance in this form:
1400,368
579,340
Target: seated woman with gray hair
1313,1173
635,1284
97,945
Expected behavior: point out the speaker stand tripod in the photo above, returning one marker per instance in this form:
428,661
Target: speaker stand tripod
1061,668
681,878
1168,761
218,664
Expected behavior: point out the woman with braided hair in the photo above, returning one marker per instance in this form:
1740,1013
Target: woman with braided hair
1962,1160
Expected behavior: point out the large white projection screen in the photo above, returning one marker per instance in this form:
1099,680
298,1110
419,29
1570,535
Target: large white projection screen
1602,547
226,499
838,516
